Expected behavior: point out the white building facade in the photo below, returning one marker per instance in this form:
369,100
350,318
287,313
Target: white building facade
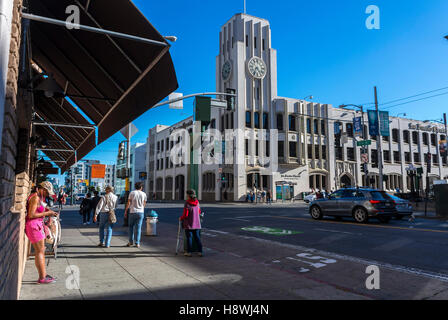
304,152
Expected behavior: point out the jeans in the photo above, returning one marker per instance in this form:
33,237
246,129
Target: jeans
86,216
104,224
190,234
135,221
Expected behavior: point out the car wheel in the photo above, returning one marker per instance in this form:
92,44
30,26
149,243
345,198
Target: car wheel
384,219
316,213
361,215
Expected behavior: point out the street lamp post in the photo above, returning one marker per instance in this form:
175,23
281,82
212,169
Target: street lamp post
363,148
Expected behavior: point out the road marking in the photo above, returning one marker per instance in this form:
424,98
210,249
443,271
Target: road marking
235,219
249,217
336,231
216,231
271,231
362,225
409,270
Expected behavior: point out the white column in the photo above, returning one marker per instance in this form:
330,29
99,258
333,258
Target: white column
6,9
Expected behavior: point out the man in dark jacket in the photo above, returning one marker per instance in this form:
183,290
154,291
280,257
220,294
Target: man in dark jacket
86,208
96,199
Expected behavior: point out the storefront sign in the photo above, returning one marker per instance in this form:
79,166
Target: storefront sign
427,128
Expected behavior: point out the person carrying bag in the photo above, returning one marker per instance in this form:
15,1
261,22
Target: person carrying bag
106,210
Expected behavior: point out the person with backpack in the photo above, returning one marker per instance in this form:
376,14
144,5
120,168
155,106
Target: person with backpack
136,202
85,209
36,211
191,223
106,210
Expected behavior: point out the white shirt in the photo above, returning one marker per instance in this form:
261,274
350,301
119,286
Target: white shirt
138,199
107,202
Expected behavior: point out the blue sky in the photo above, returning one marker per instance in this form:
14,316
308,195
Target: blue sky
324,49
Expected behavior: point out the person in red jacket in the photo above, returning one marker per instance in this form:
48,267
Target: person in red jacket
191,222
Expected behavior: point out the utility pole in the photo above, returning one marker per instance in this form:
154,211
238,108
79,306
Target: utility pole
379,143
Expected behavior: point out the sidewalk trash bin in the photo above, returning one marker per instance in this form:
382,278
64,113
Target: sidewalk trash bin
151,224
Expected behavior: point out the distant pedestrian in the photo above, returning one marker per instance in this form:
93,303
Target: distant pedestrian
95,200
258,196
263,196
136,205
269,197
252,196
106,209
61,198
191,222
85,209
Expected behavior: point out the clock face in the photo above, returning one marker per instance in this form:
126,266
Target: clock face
257,68
226,70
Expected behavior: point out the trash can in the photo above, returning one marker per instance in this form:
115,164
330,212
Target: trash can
151,224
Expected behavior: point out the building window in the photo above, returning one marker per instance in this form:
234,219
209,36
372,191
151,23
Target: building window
265,120
316,126
433,139
386,155
308,125
324,152
293,149
386,138
351,154
406,136
268,150
248,119
257,120
407,157
339,153
280,122
281,149
255,42
256,148
310,151
435,159
247,41
213,124
374,156
322,127
247,147
425,139
349,128
292,123
264,45
158,146
416,157
395,135
414,137
317,151
397,157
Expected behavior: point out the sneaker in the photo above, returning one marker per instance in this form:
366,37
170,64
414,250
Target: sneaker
84,224
88,223
107,246
129,245
101,245
187,254
47,280
137,246
200,254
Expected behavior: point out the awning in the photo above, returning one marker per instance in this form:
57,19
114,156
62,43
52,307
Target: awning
112,80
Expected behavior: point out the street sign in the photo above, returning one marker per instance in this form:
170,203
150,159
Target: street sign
219,104
129,131
98,171
364,143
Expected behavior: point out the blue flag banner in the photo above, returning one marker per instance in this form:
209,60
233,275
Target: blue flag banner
373,123
384,123
357,126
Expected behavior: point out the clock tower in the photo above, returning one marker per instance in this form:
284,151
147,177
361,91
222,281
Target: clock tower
248,64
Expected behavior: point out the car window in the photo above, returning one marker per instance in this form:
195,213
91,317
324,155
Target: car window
379,195
350,194
338,194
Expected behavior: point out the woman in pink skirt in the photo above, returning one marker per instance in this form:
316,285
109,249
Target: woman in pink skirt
34,226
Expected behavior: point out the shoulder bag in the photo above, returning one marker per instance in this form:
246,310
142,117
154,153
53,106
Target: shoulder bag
112,216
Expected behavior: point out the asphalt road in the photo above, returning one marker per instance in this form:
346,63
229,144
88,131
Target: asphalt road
422,244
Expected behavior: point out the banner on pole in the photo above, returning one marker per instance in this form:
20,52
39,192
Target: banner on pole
357,126
373,123
384,123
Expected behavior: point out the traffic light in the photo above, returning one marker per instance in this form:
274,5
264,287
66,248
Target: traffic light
364,168
230,100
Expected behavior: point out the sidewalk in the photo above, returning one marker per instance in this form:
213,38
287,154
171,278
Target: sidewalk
153,272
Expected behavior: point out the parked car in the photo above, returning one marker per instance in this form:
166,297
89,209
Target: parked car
80,196
359,203
404,207
310,198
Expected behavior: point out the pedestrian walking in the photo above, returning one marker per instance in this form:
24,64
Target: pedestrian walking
252,196
95,200
85,209
191,223
36,209
106,210
258,196
61,198
136,205
269,197
263,196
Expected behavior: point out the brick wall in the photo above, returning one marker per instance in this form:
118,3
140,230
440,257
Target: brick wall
13,187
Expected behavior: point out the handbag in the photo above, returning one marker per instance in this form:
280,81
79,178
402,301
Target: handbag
112,216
